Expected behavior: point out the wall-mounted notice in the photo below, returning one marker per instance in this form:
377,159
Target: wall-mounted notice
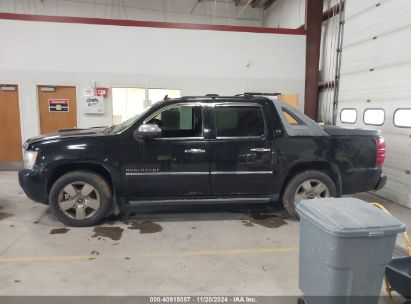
58,105
88,92
94,105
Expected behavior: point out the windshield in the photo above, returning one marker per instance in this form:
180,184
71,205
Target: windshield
126,124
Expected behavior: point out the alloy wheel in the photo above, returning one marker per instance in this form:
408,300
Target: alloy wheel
311,189
79,200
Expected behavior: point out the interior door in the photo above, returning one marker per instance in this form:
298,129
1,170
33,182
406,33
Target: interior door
175,165
242,161
57,107
10,135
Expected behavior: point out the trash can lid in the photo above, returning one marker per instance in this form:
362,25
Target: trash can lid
349,217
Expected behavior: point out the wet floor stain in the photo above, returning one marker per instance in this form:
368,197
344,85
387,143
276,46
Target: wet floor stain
113,233
59,230
4,215
268,221
145,226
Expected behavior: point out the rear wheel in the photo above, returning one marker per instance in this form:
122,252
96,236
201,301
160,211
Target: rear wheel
310,184
80,198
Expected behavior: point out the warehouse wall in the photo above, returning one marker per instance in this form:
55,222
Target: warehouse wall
285,13
188,11
197,62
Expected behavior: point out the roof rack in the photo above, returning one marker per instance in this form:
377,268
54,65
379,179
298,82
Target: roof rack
252,94
245,95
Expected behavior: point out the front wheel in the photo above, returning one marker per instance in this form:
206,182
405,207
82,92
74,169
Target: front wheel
310,184
80,198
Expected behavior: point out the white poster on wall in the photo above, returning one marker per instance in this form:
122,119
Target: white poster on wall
88,92
94,105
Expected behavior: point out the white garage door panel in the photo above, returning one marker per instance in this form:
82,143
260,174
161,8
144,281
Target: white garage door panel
397,154
393,83
379,71
361,7
390,16
364,56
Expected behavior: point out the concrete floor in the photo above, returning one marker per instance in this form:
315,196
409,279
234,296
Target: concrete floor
203,250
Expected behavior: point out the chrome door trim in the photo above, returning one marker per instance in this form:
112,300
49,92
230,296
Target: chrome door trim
241,172
194,151
167,173
260,149
197,173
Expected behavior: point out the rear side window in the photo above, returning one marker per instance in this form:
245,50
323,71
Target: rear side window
348,115
402,118
239,121
374,117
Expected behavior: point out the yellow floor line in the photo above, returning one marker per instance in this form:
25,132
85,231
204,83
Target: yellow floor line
25,259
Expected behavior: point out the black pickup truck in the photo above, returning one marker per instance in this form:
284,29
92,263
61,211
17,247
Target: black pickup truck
199,149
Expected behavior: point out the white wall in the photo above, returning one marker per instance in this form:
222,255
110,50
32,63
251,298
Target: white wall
197,62
206,11
285,14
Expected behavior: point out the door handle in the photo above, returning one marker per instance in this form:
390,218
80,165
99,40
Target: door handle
194,151
260,149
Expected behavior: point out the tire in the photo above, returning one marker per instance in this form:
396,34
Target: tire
80,198
307,185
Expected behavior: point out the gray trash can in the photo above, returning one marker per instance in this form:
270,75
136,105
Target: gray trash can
345,244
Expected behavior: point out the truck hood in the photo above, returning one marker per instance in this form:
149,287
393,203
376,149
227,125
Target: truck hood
67,133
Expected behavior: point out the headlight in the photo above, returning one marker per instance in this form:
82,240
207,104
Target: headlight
29,159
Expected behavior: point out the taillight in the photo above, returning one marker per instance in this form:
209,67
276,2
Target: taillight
380,155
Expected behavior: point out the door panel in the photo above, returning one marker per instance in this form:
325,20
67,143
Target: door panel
175,165
238,169
242,161
167,169
10,134
55,117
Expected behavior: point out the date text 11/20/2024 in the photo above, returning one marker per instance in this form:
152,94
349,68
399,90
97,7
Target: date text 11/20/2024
204,299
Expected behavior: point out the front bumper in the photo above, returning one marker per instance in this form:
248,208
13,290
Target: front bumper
34,184
381,182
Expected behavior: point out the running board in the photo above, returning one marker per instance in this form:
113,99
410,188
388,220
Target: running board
206,200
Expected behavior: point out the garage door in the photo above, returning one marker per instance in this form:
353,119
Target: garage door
375,87
10,135
58,108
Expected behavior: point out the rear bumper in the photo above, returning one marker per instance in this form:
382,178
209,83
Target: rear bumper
381,182
34,185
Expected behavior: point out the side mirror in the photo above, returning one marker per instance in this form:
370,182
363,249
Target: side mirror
147,131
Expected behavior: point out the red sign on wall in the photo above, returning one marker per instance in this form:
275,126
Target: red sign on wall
102,92
58,105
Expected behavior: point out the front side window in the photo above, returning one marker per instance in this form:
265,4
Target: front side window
402,118
181,121
239,121
374,117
